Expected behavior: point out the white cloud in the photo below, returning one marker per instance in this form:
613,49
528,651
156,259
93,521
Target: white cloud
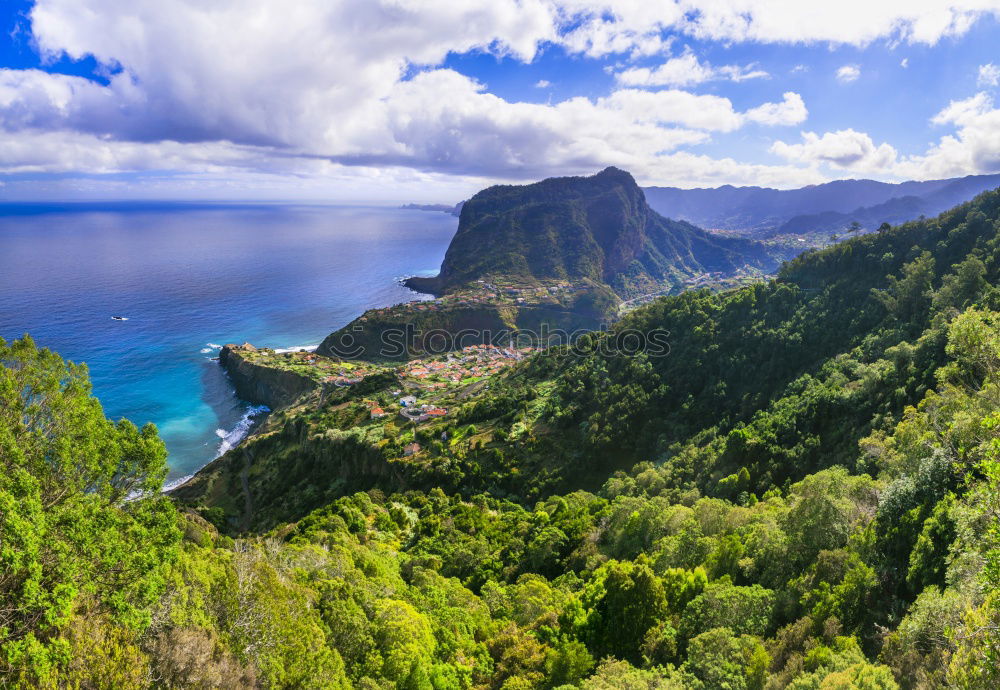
848,73
367,93
706,112
973,148
265,87
845,149
904,63
965,111
602,27
791,111
989,75
543,84
686,70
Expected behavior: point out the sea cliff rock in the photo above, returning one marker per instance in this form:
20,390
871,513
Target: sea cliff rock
262,385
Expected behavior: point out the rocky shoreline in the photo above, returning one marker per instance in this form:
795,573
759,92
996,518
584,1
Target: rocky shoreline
262,385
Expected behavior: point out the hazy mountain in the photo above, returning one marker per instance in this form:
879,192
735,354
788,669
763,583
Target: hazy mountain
830,207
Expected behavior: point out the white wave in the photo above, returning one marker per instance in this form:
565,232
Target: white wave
307,348
230,439
170,486
209,347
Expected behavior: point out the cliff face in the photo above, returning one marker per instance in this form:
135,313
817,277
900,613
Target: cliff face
262,385
598,228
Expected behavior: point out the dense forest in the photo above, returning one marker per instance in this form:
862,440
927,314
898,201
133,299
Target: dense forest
804,493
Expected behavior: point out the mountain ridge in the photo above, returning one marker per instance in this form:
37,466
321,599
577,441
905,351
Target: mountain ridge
830,206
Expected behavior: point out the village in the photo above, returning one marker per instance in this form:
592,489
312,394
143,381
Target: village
463,366
419,377
490,292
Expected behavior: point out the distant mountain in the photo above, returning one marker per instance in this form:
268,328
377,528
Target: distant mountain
444,208
571,228
763,212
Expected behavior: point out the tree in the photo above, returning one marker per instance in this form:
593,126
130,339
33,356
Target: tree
745,610
81,514
720,659
624,600
908,295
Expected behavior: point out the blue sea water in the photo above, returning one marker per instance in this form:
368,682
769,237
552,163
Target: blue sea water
193,277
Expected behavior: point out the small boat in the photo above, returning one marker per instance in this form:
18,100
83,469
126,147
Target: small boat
120,318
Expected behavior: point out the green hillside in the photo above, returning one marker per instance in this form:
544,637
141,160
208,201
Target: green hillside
802,491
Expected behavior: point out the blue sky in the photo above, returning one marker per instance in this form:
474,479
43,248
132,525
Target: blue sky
390,100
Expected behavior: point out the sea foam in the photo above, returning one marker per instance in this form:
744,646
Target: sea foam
232,438
307,348
170,486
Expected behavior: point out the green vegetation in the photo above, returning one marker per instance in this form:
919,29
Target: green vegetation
804,493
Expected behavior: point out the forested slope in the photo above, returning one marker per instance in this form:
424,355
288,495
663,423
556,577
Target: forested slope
803,493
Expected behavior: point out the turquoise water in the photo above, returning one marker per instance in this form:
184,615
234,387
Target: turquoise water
190,278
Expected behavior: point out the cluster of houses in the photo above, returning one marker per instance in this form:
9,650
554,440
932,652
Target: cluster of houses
473,361
409,410
422,413
331,371
342,380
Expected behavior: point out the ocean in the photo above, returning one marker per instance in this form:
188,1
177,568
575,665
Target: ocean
190,278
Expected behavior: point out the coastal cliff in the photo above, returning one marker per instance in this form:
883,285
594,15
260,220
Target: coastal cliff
263,385
598,228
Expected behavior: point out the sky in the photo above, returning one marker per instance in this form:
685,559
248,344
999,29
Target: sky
430,100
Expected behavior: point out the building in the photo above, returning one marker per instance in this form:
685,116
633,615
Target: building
411,448
377,413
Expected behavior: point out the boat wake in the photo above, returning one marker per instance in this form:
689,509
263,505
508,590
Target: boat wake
232,438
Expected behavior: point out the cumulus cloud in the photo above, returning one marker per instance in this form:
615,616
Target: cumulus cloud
262,86
602,27
791,111
543,84
989,75
965,111
368,92
686,70
973,147
848,73
846,149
